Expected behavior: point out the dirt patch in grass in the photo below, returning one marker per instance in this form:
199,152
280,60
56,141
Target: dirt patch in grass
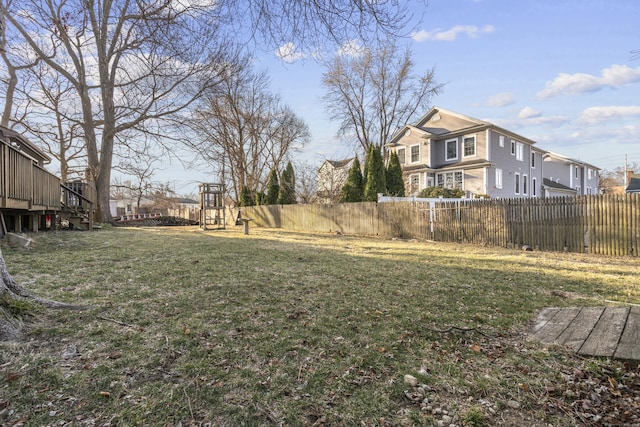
281,328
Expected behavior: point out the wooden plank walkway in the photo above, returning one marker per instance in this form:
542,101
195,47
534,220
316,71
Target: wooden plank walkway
591,331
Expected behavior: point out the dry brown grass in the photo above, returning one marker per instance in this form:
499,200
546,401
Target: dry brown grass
283,328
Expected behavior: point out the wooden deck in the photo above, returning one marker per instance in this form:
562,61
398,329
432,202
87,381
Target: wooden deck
591,331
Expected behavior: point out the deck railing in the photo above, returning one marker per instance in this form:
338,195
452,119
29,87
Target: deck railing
24,184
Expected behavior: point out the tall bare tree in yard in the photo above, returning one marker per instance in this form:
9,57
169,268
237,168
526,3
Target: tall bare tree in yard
247,131
374,92
132,64
15,59
53,120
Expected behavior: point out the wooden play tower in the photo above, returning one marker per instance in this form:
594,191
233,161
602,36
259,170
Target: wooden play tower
211,198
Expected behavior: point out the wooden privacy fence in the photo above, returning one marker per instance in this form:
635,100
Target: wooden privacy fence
602,224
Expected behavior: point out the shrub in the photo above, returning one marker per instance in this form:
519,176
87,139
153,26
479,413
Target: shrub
447,193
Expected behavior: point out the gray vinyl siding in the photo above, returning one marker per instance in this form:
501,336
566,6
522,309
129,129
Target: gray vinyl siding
473,181
557,171
502,158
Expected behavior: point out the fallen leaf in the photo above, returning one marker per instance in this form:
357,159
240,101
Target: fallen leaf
12,376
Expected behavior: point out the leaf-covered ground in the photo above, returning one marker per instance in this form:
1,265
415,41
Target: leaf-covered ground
279,328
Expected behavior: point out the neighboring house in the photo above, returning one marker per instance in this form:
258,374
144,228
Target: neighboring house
129,206
568,177
184,208
332,176
633,183
452,150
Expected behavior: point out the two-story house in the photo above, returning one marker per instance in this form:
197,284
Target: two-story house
332,176
451,150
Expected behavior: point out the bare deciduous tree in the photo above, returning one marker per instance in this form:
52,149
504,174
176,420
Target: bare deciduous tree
246,131
15,59
132,64
306,182
51,118
312,23
373,92
140,163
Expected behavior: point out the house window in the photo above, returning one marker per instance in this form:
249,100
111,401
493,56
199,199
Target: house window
469,146
501,141
533,160
519,151
513,147
450,179
401,152
498,178
414,183
451,149
517,186
590,173
525,182
415,153
429,181
533,187
575,168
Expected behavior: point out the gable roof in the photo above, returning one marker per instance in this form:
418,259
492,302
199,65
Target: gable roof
186,201
634,184
400,133
337,164
552,184
437,110
569,160
474,125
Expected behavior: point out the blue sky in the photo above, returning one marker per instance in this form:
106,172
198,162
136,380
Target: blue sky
558,72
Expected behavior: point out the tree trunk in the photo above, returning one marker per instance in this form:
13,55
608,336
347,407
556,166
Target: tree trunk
12,292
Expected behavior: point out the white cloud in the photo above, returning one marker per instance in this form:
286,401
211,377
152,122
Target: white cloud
451,34
597,115
530,118
614,76
500,100
287,52
620,135
546,120
351,48
529,113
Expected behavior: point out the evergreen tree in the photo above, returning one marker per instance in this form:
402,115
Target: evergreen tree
246,197
376,182
273,188
353,189
393,176
287,194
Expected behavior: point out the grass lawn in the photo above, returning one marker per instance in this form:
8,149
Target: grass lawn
192,327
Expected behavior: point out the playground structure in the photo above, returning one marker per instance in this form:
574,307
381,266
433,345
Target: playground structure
212,209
